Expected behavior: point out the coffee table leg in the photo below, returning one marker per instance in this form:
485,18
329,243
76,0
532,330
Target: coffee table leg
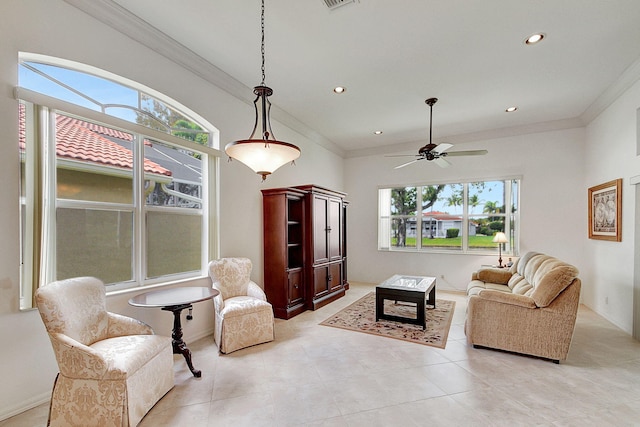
432,297
421,307
179,346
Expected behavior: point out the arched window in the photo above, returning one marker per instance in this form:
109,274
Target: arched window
116,179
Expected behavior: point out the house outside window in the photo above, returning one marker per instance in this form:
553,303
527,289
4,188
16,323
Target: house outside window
450,217
114,186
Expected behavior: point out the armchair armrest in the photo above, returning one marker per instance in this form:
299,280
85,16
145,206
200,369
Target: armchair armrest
120,326
507,298
253,290
76,360
493,275
218,300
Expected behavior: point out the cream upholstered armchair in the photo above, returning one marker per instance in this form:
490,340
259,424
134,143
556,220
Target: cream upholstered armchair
243,315
113,369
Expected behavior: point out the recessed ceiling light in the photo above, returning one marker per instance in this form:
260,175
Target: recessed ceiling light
377,132
339,89
534,38
511,109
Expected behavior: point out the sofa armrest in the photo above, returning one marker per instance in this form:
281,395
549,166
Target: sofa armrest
507,298
500,276
120,326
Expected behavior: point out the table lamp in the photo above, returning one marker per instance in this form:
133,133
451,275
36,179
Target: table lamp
500,238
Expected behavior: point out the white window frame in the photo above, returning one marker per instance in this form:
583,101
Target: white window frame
385,218
46,107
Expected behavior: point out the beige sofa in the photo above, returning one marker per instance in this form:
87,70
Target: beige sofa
529,308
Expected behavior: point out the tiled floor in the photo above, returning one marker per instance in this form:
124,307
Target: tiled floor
321,376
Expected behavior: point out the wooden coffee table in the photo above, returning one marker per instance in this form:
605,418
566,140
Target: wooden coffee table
419,290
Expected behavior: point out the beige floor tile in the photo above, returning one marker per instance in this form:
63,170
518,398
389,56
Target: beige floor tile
319,376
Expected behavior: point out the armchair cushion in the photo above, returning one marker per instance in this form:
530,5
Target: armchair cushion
232,277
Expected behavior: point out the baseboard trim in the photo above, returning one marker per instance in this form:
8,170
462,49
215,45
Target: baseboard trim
199,335
25,406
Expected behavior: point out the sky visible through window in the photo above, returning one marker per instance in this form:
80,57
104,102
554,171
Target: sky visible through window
493,192
101,90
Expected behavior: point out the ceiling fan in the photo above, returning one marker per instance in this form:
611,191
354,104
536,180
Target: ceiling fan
436,152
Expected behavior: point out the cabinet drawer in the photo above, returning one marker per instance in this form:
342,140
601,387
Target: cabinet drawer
296,287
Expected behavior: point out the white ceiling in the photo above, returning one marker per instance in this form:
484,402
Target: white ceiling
392,55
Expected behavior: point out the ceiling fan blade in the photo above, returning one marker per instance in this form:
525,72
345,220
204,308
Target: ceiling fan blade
467,153
406,164
443,147
441,162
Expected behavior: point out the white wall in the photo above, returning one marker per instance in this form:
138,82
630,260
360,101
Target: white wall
556,168
610,154
54,28
552,204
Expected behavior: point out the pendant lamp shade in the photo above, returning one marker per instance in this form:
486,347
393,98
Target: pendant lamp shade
262,152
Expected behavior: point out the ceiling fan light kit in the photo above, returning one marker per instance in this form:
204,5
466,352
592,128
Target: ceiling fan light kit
429,152
534,38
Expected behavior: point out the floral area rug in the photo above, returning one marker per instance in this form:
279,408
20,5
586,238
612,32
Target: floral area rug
361,317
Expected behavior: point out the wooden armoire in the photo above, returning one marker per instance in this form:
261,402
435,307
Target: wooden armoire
305,251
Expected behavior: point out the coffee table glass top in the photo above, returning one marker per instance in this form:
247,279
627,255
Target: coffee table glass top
418,283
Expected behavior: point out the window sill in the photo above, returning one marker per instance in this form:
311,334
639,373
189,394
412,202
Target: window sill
154,286
448,252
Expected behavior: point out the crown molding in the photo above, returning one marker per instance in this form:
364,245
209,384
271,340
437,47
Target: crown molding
623,83
549,126
125,22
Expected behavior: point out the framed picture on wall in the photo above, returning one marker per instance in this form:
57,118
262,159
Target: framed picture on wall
605,211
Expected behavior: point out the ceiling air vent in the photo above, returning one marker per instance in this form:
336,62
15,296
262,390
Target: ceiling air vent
334,4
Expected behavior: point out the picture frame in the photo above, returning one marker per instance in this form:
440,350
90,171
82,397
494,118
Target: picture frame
605,211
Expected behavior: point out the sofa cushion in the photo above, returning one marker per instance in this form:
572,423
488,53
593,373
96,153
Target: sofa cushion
523,261
518,284
535,275
508,298
475,286
551,277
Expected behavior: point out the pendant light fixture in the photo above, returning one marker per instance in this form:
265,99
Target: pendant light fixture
262,152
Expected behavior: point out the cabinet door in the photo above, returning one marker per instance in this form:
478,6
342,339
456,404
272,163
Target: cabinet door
320,225
334,280
334,232
320,282
327,279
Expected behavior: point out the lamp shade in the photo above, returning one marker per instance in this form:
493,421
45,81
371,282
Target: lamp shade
262,156
500,237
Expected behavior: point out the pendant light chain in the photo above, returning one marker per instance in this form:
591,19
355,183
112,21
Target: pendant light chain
262,42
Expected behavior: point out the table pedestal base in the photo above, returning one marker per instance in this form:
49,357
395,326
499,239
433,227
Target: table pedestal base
179,346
